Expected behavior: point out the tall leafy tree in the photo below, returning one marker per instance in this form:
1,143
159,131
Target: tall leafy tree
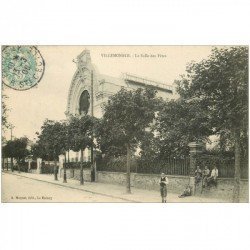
80,131
52,141
178,123
8,151
17,149
126,117
5,123
149,145
39,151
220,85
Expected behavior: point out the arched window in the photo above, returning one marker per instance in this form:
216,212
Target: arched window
84,103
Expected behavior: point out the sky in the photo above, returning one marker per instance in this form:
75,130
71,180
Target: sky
29,108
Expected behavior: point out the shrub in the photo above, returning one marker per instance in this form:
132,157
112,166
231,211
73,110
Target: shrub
47,168
23,167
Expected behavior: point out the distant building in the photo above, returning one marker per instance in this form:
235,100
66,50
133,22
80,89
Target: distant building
89,90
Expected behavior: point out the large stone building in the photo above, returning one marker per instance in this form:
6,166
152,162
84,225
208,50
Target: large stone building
89,90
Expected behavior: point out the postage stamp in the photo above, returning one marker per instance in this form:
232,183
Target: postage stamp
22,67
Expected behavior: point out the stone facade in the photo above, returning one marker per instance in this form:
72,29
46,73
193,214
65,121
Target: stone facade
101,87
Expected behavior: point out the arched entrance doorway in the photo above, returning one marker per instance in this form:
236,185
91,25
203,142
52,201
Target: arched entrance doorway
84,103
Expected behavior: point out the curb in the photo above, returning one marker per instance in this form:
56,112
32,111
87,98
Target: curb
80,189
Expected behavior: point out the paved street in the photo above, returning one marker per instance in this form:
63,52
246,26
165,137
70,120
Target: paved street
28,187
19,189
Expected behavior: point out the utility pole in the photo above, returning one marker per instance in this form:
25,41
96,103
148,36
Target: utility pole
11,159
92,114
92,93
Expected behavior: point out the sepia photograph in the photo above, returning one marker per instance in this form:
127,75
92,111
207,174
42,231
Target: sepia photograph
125,124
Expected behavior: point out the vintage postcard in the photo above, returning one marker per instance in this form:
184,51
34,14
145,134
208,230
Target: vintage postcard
132,124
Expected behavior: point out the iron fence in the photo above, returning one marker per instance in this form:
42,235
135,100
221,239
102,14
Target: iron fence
225,165
170,166
173,166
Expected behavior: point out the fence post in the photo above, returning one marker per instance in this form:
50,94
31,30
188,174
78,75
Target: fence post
39,165
195,149
61,161
29,165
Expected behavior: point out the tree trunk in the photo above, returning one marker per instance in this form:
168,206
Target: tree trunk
236,190
11,164
7,164
81,171
55,170
68,156
3,163
128,169
18,166
92,163
64,170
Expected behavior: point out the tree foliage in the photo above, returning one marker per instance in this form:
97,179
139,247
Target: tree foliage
126,117
4,112
178,123
80,130
39,151
5,123
220,85
51,141
16,148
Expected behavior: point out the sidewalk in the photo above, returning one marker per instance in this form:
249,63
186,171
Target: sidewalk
114,191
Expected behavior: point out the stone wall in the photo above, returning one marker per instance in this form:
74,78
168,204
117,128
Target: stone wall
75,174
176,185
145,181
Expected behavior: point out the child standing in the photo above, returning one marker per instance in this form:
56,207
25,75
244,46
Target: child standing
163,187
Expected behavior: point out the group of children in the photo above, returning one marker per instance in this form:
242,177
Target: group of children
205,176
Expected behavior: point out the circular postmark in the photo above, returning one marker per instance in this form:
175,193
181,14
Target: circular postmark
22,67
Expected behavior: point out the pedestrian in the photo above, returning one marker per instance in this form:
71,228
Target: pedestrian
163,187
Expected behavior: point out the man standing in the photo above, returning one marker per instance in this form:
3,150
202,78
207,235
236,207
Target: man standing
163,187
